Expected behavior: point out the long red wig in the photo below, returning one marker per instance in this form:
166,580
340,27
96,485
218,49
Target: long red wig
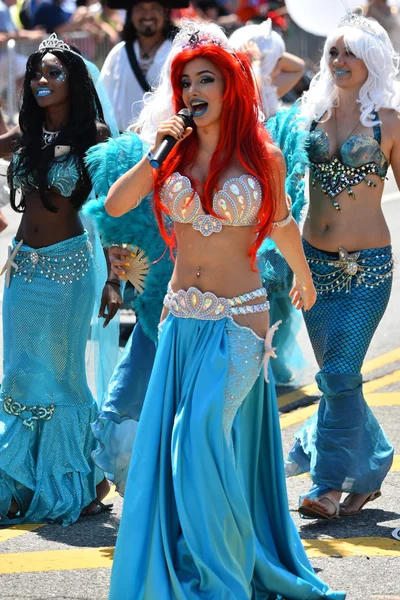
242,135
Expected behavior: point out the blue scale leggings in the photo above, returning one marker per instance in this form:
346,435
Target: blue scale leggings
342,445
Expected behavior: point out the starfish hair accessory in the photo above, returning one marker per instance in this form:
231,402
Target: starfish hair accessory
356,19
53,43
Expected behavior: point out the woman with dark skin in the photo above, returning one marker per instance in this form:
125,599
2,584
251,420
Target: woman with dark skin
50,475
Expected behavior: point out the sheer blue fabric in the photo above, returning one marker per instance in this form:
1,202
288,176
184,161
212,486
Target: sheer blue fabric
343,446
290,363
46,405
202,519
116,424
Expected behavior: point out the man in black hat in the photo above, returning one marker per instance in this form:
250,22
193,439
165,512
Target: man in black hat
134,65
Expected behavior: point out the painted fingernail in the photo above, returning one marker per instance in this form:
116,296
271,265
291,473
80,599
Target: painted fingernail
127,264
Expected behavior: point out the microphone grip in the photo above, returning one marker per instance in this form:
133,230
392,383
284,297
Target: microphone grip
162,151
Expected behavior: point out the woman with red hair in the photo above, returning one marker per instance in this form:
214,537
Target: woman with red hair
206,512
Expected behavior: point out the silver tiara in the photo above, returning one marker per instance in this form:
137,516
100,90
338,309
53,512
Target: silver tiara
356,19
193,34
53,43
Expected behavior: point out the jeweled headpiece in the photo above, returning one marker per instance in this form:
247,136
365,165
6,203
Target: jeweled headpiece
53,43
357,19
192,35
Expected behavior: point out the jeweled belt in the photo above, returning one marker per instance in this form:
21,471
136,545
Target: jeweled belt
63,268
193,304
37,413
349,268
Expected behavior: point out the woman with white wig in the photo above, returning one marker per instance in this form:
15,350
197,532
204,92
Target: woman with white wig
353,112
276,73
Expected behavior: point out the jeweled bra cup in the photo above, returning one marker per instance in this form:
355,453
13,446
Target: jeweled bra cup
237,204
359,156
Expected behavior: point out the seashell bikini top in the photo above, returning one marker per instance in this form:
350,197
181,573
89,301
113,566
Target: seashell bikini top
237,204
63,175
359,156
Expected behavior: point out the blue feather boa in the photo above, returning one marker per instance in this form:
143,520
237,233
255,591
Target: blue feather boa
289,134
106,163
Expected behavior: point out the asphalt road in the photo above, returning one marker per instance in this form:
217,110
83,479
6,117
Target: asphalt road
355,554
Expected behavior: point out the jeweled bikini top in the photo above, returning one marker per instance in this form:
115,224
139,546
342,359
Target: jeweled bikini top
237,204
63,175
359,156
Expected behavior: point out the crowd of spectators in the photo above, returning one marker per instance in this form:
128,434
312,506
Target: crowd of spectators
102,25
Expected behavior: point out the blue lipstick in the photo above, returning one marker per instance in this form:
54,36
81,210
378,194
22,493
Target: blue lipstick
43,92
199,107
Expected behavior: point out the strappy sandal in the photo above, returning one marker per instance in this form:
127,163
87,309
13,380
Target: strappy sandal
99,508
312,512
373,496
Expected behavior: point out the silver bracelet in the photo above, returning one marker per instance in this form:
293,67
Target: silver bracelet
287,219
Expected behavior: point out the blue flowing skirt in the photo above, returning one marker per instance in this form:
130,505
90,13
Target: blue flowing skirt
206,511
289,364
343,446
116,425
46,406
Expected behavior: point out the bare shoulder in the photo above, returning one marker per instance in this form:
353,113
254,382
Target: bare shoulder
389,117
390,124
103,132
276,153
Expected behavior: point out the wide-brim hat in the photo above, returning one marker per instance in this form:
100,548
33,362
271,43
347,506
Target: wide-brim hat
130,3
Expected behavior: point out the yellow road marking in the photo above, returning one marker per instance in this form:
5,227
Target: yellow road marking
56,560
16,530
381,382
383,399
381,361
369,366
362,546
100,558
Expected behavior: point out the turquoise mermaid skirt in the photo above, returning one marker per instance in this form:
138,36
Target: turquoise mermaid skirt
206,512
46,406
343,446
116,424
289,364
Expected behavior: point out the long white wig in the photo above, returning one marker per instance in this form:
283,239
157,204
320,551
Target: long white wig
272,47
158,104
381,89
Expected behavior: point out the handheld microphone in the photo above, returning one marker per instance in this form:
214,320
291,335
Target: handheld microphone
157,159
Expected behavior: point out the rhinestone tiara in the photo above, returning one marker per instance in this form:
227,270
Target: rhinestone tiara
357,19
53,43
194,34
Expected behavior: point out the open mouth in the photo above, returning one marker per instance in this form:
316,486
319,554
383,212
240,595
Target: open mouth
43,92
199,107
341,72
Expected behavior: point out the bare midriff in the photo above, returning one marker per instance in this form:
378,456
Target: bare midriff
359,224
40,227
224,266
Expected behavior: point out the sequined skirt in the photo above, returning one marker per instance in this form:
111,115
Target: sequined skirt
205,511
46,405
